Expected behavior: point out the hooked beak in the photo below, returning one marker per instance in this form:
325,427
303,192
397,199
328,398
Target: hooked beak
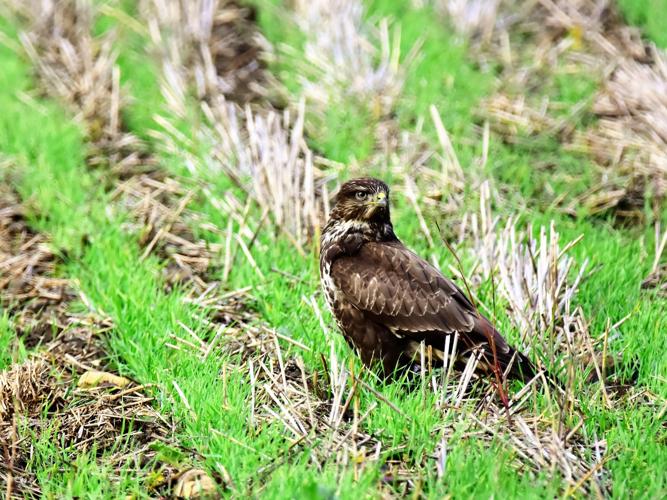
380,200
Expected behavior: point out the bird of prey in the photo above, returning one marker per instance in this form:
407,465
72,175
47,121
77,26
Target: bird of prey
387,300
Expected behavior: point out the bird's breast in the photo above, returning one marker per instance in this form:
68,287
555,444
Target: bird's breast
331,292
328,285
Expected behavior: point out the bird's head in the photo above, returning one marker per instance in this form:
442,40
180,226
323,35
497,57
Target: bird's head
362,200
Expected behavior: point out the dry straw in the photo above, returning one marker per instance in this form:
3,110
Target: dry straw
471,17
262,150
347,56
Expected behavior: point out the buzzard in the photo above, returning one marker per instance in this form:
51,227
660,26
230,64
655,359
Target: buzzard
387,300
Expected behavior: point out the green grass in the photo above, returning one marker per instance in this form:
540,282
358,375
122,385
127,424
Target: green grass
70,205
132,294
66,472
649,15
137,78
280,305
342,133
12,349
443,75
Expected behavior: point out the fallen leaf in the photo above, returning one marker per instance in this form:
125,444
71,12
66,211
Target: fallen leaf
93,378
195,483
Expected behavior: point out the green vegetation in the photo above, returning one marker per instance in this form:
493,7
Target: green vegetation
341,133
70,204
442,74
11,347
280,304
68,473
649,15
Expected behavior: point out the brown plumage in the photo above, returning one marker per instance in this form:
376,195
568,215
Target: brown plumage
387,300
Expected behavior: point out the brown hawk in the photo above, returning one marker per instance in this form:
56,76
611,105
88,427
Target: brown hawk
387,300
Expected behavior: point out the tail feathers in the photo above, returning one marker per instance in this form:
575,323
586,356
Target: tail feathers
524,369
520,367
513,363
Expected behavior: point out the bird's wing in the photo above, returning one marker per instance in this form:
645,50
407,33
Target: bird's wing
407,294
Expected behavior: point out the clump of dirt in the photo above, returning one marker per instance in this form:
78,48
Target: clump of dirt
657,280
29,289
236,52
218,47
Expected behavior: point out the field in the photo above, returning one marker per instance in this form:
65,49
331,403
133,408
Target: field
166,167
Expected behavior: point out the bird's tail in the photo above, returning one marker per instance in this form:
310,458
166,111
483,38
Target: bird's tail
517,365
523,369
499,354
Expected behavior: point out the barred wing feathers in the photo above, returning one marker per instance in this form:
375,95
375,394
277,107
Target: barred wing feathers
409,296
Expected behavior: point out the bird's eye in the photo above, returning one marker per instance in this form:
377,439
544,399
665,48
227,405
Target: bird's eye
361,195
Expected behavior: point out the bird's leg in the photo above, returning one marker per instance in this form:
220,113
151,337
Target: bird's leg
498,372
499,381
